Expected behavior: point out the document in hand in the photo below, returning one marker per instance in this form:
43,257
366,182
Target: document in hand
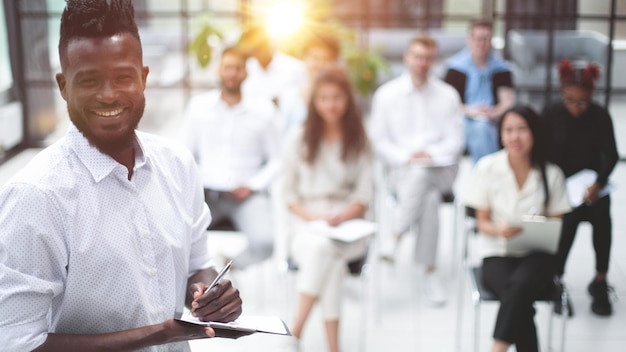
245,325
347,231
578,183
539,234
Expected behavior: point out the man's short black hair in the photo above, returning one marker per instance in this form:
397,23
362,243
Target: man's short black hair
96,19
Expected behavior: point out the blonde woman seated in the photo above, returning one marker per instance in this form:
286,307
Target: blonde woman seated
507,185
328,176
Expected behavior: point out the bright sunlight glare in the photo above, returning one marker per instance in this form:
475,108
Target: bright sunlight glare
284,19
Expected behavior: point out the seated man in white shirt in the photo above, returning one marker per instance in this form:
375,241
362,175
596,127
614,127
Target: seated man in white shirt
234,139
270,72
417,131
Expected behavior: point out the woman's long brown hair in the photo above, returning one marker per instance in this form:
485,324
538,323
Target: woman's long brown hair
353,136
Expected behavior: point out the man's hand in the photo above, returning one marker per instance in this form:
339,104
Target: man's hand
507,231
477,111
221,303
241,193
592,194
421,157
127,340
334,220
177,331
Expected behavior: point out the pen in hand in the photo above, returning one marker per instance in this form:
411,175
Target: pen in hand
218,277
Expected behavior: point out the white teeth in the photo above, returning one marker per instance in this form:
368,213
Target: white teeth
109,113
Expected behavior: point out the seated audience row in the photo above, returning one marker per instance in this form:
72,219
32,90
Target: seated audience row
417,133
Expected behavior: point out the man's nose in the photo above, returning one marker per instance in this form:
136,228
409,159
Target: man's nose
107,93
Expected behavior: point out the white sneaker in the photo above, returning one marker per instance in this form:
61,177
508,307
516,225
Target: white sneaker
433,289
388,250
288,344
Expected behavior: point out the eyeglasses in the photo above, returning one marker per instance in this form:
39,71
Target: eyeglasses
576,103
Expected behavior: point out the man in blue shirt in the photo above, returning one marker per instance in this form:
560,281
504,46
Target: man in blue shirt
485,85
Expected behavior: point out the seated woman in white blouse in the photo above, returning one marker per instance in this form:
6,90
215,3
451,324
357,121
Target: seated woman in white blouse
328,176
507,185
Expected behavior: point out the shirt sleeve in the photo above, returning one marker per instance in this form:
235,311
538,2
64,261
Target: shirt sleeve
33,265
607,150
476,193
503,79
199,256
559,201
190,136
384,145
453,141
291,154
457,80
364,187
271,144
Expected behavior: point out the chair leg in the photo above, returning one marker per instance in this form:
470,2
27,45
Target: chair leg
550,321
455,238
363,277
459,314
476,327
564,315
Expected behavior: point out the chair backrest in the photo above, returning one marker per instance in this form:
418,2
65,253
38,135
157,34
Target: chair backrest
469,231
392,43
223,224
529,48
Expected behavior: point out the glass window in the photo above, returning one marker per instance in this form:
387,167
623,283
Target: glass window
6,79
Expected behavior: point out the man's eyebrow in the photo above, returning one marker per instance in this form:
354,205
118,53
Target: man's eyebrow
83,73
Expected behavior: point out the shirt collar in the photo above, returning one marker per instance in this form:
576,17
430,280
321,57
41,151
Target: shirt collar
407,86
221,104
503,165
99,164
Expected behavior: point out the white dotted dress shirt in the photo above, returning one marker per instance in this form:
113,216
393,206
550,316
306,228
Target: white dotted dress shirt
84,250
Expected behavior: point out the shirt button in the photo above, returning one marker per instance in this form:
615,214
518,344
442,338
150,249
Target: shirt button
145,234
152,272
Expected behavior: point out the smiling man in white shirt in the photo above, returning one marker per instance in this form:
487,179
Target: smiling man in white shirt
234,139
417,131
103,233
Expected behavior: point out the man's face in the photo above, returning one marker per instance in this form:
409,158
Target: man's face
232,72
419,59
479,41
317,58
103,83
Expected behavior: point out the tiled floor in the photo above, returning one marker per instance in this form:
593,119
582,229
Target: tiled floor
385,311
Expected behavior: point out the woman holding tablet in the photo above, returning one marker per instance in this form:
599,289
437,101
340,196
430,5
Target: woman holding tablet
506,186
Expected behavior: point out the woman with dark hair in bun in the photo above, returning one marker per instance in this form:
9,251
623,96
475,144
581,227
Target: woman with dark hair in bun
580,136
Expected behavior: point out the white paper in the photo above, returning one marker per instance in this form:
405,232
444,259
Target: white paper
538,233
578,183
347,231
245,323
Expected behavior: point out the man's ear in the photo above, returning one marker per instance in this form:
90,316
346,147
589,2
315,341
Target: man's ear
61,82
144,75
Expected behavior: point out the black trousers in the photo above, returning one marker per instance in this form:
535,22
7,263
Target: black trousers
599,215
518,282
